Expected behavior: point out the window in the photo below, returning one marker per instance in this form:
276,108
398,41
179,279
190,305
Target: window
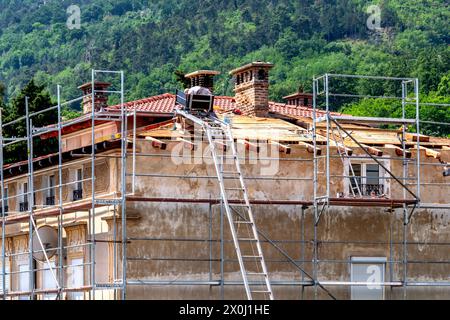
48,281
23,205
371,271
367,180
24,280
5,201
50,199
7,276
76,278
78,192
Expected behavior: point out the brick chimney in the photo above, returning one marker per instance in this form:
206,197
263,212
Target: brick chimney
202,78
100,99
252,88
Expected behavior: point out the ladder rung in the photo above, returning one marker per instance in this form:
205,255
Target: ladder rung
252,257
256,274
240,205
234,189
243,222
265,292
248,240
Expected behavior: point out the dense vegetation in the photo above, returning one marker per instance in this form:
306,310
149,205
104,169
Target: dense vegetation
150,40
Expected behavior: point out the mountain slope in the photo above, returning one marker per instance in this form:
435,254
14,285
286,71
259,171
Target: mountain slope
149,40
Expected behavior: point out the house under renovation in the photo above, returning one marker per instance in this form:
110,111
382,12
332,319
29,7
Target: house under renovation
196,196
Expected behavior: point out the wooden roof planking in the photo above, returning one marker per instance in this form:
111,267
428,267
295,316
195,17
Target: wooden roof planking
273,129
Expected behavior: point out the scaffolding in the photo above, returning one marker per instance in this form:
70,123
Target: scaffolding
29,211
129,157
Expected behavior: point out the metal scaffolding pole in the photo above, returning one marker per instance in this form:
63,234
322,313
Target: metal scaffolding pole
29,193
93,178
60,194
2,192
124,186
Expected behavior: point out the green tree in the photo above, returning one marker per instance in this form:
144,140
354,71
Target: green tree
38,99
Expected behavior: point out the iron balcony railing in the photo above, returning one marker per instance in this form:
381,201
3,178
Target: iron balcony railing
77,195
5,212
50,201
370,190
23,206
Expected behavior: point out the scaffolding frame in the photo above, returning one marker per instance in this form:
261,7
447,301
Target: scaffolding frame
319,203
324,202
118,202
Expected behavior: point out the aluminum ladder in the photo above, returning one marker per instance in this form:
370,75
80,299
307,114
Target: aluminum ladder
349,171
240,215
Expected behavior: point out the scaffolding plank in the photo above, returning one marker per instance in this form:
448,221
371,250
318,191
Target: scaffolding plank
350,119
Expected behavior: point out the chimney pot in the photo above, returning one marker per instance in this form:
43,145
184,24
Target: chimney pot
100,99
252,88
202,78
299,99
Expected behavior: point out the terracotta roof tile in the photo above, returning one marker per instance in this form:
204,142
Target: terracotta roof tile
165,103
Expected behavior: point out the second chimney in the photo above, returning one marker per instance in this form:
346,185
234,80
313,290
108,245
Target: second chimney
252,88
203,78
100,99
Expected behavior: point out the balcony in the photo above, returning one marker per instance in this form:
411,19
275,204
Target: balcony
77,195
5,212
370,190
50,201
23,206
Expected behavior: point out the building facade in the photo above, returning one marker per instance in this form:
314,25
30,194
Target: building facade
178,244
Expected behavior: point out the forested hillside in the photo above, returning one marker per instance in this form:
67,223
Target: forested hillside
152,39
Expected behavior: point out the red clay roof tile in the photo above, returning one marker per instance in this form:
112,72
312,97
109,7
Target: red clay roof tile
165,103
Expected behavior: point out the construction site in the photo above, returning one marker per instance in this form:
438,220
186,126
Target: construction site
195,196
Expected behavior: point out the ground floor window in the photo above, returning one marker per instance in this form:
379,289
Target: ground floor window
24,280
76,278
7,276
48,280
372,272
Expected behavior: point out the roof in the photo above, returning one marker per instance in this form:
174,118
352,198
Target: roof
165,103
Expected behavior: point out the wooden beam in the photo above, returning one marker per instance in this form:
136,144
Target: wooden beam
446,148
188,144
283,148
157,143
310,148
342,148
413,137
249,145
373,151
430,153
399,151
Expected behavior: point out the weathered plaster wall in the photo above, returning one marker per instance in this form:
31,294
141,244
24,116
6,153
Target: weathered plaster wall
342,233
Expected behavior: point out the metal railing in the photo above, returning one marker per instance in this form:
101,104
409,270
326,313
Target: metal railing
370,190
23,206
77,195
50,201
